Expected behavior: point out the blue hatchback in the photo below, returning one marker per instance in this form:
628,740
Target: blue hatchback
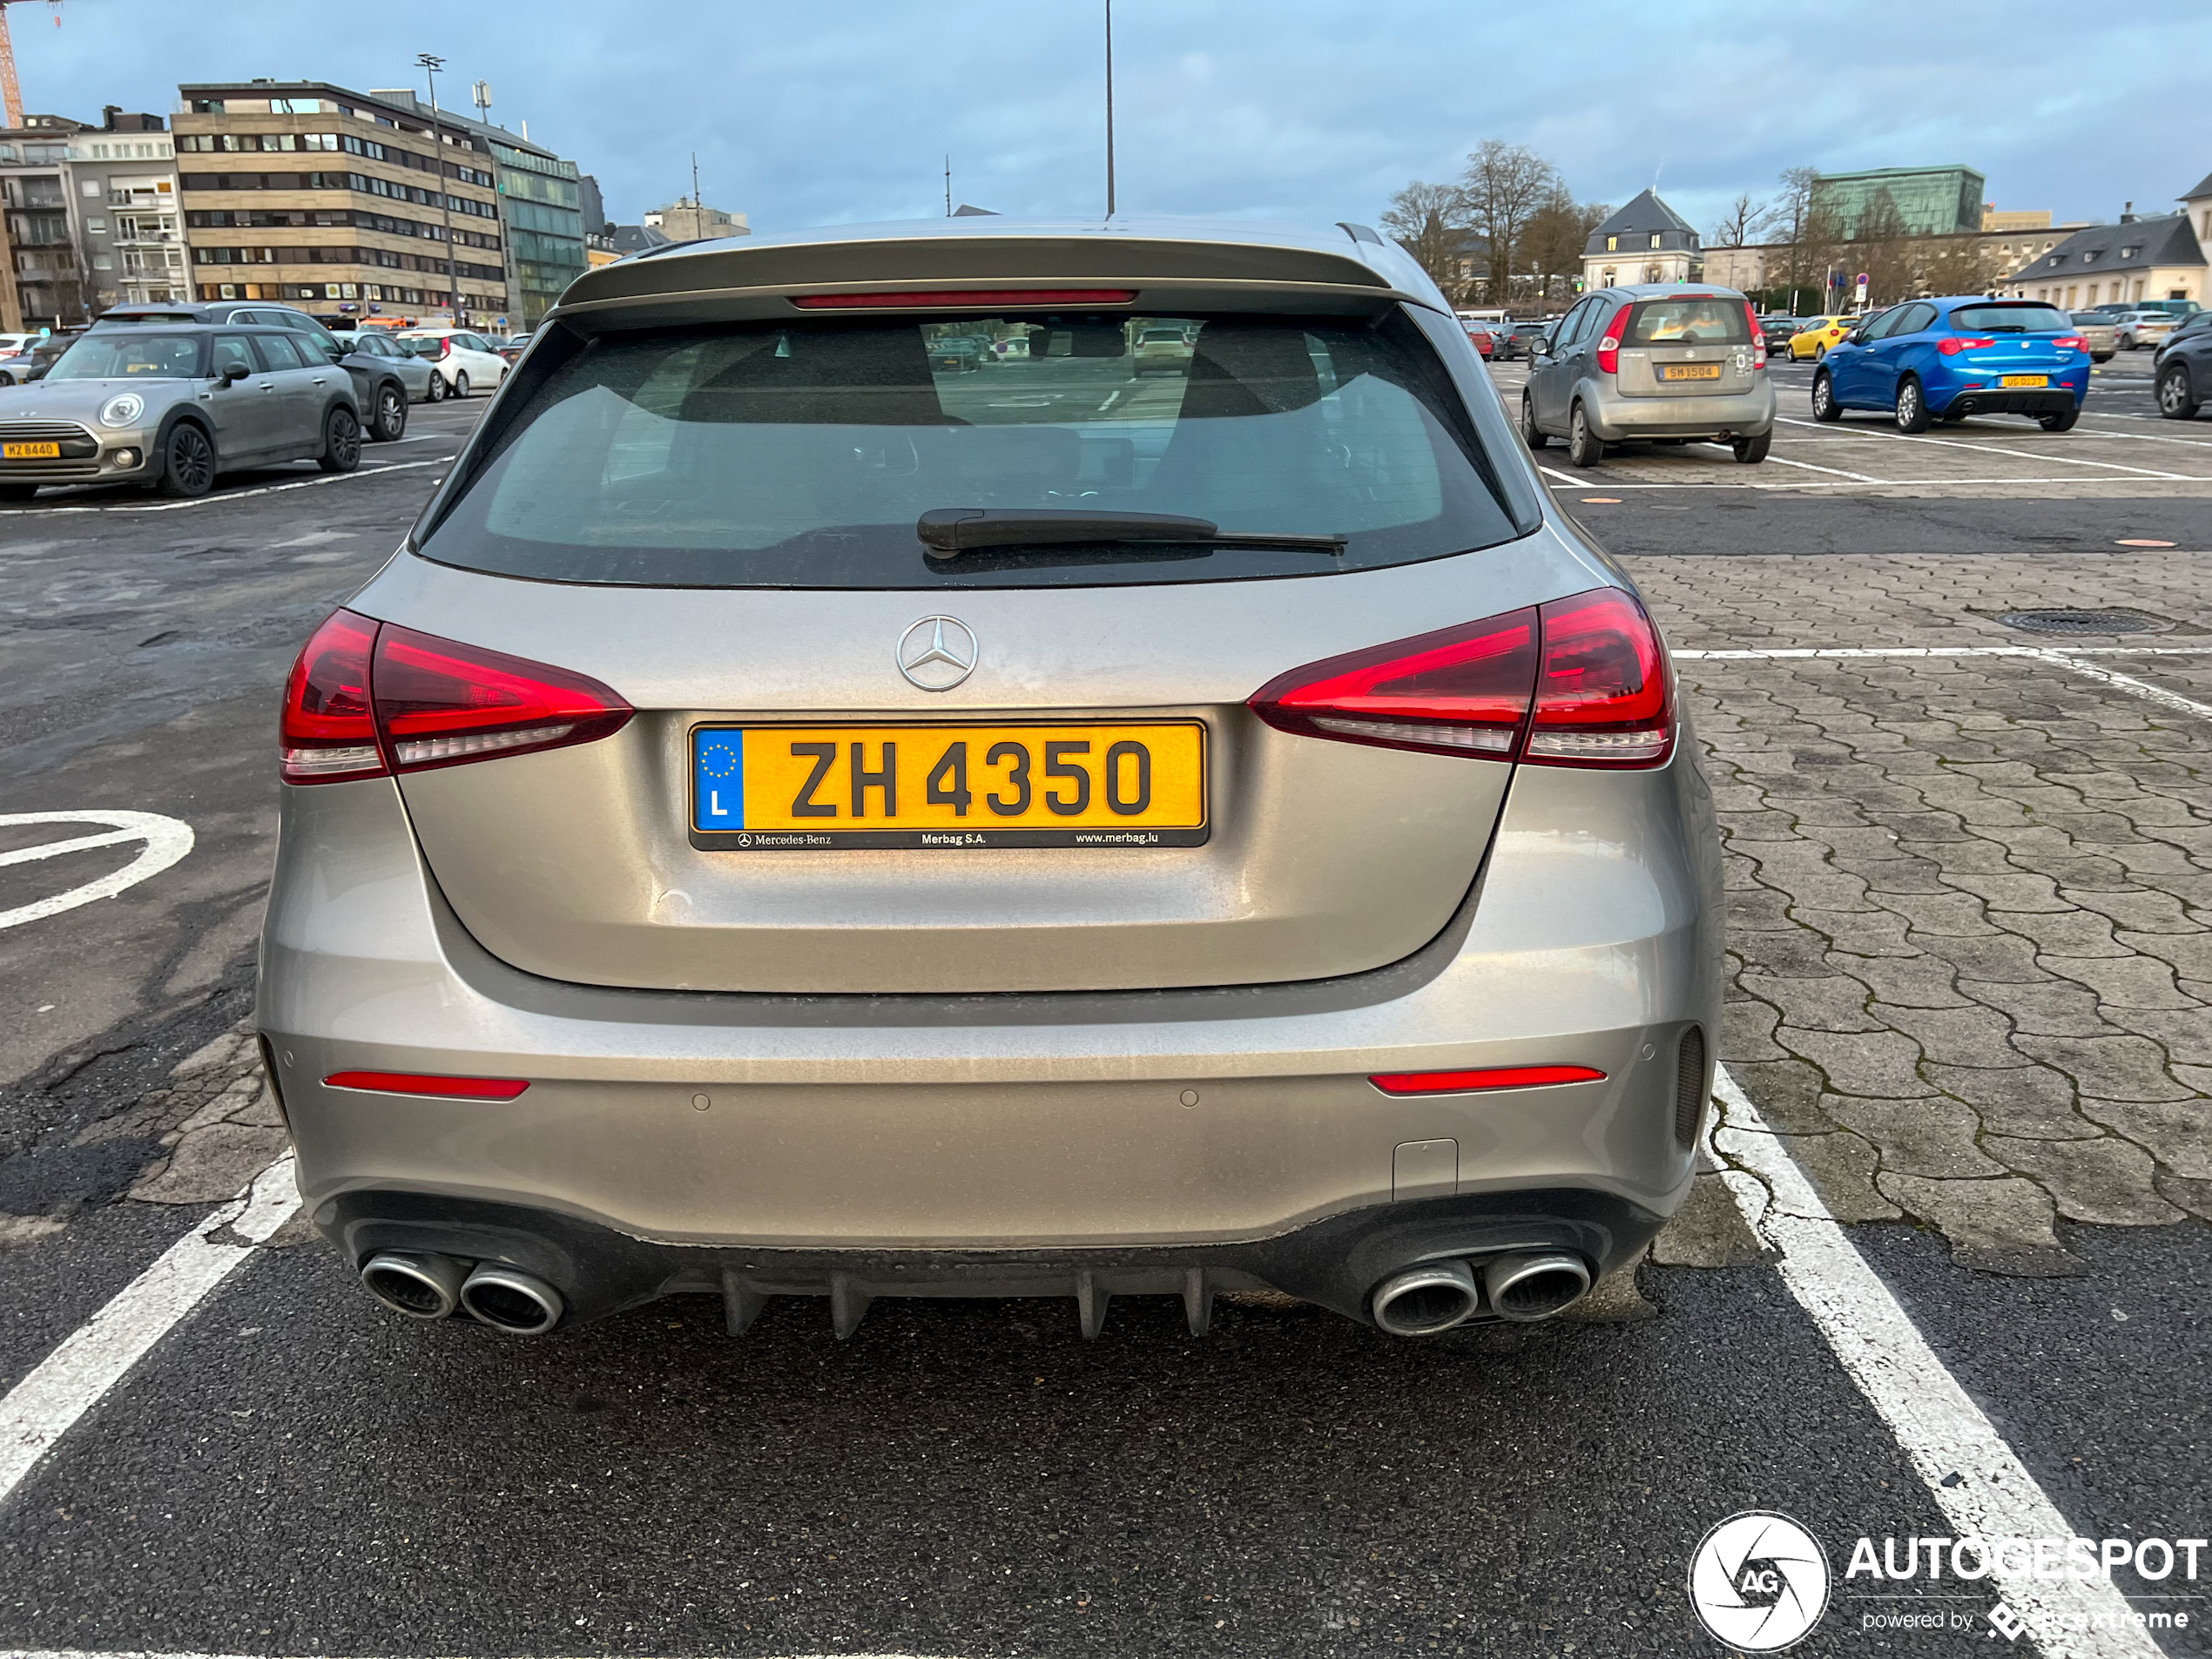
1942,359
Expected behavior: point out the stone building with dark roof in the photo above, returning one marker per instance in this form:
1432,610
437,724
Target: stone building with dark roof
2137,259
1645,241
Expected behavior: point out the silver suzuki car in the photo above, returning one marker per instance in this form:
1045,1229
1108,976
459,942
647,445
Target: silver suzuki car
1658,363
797,820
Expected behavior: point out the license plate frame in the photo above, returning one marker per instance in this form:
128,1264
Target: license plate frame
720,754
26,451
1689,372
2024,382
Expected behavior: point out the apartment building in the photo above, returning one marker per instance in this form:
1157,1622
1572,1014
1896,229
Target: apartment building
123,178
542,202
341,203
91,218
35,198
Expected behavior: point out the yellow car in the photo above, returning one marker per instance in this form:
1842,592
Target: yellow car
1818,335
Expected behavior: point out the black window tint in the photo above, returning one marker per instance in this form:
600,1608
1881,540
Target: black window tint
801,455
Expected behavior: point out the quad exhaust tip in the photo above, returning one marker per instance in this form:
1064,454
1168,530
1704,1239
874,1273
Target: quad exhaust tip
1424,1300
1434,1297
1534,1287
509,1300
421,1287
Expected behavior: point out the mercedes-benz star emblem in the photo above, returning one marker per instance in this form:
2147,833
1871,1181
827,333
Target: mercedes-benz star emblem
937,653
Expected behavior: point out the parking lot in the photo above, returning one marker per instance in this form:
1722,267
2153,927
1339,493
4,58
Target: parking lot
1968,1046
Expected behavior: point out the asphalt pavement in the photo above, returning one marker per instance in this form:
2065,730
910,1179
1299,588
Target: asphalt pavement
288,1469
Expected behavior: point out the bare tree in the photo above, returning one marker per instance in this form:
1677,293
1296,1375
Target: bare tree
1745,219
1552,240
1503,188
1883,251
1428,221
1956,265
1811,235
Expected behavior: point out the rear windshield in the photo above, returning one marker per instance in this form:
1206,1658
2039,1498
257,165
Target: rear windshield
802,453
2028,319
1689,322
108,354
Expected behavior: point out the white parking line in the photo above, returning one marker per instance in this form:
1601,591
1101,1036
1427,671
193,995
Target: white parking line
1614,480
2065,659
1991,449
364,471
1974,1477
1857,477
96,1356
167,840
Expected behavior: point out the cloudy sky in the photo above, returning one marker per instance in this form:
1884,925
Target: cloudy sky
816,113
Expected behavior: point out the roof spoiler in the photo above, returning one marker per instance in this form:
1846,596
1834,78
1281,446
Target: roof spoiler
924,263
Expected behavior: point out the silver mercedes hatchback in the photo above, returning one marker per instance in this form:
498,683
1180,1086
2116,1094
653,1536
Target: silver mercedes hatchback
850,790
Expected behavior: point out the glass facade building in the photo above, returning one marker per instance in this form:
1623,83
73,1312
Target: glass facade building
1931,201
542,200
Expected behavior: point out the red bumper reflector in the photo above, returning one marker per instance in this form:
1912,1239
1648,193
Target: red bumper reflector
965,297
408,1082
1457,1082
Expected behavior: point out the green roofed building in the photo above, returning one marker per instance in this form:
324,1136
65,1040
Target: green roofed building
1931,201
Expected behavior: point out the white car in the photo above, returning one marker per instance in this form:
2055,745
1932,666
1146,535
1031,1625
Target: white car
462,360
2149,326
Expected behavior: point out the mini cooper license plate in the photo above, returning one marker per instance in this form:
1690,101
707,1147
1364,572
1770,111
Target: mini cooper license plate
30,452
781,788
2023,380
1690,371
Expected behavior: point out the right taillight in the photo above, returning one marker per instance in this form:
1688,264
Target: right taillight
1605,692
1578,682
366,698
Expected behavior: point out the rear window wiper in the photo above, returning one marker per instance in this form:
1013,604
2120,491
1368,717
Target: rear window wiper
947,532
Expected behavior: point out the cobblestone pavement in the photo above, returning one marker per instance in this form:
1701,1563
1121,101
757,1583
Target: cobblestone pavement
1970,895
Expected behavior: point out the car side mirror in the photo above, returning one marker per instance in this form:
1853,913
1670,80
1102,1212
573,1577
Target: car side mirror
233,373
38,372
1541,345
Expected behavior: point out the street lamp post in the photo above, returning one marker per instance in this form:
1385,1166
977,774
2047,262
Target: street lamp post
1110,109
433,63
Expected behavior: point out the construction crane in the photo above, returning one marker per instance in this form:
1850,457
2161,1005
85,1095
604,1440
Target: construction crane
10,92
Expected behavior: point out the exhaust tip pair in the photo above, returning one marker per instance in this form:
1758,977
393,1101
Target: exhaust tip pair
1435,1295
424,1286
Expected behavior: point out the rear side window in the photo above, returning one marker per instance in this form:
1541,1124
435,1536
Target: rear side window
802,453
1689,322
2001,319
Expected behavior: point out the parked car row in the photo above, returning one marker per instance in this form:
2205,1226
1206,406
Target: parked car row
162,394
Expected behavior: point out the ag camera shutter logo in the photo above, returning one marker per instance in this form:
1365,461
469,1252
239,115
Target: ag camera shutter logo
1759,1581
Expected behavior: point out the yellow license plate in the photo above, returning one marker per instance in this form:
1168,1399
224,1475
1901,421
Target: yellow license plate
1098,783
2023,380
30,452
1690,371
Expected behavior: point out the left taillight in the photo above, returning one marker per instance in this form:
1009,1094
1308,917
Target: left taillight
1608,345
328,732
1578,682
1758,336
366,698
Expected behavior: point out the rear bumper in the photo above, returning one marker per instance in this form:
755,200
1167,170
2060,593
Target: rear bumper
2052,400
1142,1133
1616,418
1336,1261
